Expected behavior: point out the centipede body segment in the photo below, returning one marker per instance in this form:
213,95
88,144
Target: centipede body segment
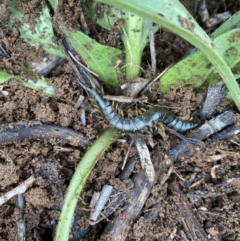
142,122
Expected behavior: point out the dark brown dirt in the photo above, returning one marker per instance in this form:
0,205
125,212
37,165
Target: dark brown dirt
213,196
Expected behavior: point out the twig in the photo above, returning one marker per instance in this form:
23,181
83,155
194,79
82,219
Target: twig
21,229
21,222
144,156
152,47
227,133
214,96
104,196
79,101
18,190
84,67
125,99
214,125
126,157
22,131
190,222
118,228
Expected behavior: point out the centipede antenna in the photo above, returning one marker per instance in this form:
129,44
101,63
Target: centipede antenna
184,138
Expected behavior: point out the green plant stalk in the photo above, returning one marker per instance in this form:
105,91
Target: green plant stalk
132,44
78,180
177,20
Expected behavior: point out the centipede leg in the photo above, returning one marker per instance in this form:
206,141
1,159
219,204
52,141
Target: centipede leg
161,131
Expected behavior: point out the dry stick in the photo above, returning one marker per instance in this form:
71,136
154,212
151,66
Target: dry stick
226,133
126,157
214,96
22,131
21,229
20,223
125,99
123,219
3,52
44,68
119,196
118,228
144,155
18,190
101,202
80,64
214,125
190,222
152,47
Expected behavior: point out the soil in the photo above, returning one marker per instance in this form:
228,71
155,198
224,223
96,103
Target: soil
213,196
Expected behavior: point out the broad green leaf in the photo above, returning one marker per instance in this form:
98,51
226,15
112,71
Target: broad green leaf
4,76
196,70
42,34
99,58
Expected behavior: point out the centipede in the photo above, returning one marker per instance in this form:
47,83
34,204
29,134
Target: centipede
142,122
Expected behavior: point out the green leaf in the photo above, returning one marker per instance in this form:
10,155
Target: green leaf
14,12
4,76
109,17
40,85
173,16
54,3
196,70
134,33
42,34
232,23
99,58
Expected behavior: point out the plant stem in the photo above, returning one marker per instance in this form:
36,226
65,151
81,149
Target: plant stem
78,180
132,35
